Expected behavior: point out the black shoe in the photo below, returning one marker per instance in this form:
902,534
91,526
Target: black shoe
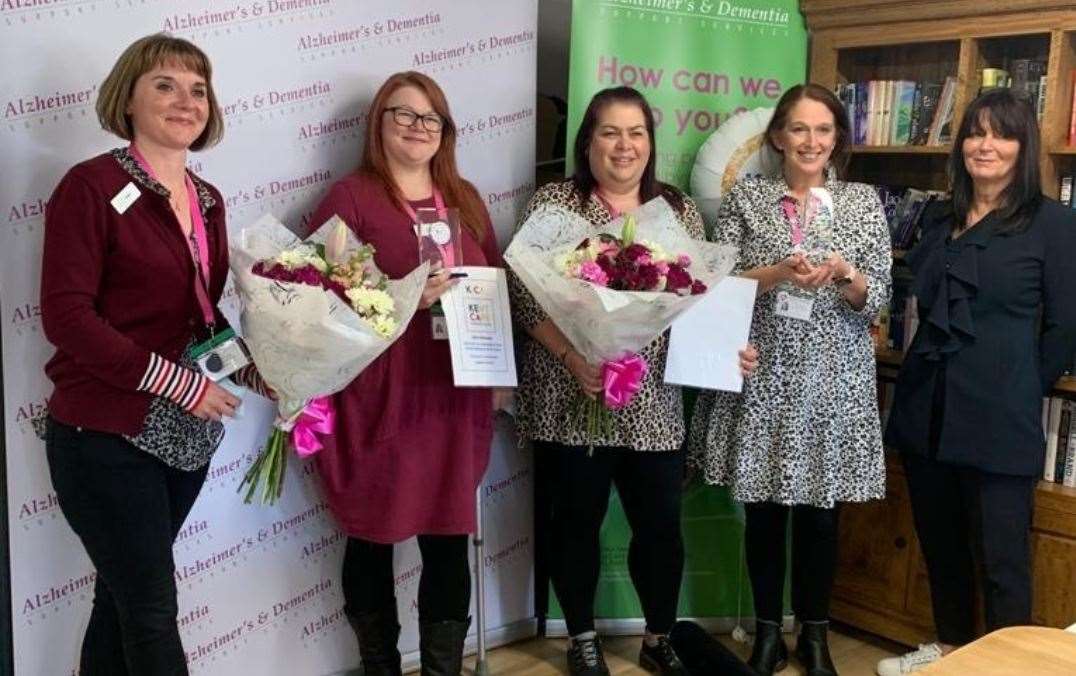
585,658
769,653
440,646
812,649
661,658
378,633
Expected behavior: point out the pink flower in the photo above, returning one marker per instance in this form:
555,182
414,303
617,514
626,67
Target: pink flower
677,280
697,287
593,273
683,260
662,267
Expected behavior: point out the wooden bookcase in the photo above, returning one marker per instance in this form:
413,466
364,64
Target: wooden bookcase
881,582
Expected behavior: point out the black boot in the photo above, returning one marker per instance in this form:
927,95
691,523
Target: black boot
812,649
440,645
378,633
769,653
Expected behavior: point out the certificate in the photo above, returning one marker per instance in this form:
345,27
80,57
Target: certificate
480,329
704,348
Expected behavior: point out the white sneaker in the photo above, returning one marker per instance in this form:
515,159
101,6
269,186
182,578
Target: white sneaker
909,662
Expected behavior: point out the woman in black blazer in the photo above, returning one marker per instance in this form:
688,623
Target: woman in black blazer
995,279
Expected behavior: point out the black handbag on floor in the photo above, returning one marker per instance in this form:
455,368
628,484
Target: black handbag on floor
704,655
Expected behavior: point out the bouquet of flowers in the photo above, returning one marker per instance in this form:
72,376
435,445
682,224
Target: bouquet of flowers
315,314
611,296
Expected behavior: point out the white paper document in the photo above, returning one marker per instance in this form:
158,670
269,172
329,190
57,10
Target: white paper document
706,340
480,329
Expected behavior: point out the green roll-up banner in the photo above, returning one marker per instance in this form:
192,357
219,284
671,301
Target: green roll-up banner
698,62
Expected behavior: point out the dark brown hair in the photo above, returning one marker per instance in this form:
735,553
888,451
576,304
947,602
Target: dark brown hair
842,148
1011,118
458,192
142,56
583,179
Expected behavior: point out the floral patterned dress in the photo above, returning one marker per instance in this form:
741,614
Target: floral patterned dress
805,429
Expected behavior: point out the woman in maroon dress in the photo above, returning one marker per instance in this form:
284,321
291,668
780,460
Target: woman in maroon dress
410,448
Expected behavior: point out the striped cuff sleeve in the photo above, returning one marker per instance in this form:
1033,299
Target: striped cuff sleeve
250,378
172,381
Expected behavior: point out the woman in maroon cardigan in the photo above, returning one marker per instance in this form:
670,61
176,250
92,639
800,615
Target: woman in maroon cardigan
135,259
410,448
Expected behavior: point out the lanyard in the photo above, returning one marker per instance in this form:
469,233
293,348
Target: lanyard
613,211
438,202
199,252
796,222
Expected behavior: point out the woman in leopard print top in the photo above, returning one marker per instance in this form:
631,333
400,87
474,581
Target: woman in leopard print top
615,173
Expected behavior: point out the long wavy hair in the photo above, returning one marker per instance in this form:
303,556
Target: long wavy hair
457,192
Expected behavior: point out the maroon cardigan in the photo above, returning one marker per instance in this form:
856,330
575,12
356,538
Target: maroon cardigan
117,294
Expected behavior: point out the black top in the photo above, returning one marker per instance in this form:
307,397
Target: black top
979,302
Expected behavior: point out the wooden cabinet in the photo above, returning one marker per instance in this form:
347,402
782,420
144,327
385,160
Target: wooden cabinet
882,584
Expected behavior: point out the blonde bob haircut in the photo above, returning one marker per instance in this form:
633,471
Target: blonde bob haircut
142,56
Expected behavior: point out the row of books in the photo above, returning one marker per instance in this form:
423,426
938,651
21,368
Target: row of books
897,322
899,112
904,207
1025,77
1059,426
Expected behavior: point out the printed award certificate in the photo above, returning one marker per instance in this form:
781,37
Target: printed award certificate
704,348
480,329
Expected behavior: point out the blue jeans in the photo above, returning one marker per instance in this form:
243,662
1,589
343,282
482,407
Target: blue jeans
127,507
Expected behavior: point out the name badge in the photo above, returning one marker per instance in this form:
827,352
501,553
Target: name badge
125,198
221,355
792,305
438,325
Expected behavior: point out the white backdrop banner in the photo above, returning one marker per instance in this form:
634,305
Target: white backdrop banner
259,586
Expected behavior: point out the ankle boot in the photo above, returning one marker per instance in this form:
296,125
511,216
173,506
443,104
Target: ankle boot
769,653
812,649
378,633
440,645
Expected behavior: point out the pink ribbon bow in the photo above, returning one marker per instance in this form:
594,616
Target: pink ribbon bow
317,418
622,380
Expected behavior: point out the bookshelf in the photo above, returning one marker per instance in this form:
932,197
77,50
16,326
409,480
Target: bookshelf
882,583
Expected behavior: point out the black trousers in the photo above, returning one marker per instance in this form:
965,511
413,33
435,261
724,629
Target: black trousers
968,520
127,507
814,558
444,587
649,486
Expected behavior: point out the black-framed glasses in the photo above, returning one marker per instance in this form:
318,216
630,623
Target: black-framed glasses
405,117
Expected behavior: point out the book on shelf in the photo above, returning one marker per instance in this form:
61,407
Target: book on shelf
941,126
1024,77
1066,193
894,112
1072,109
1059,465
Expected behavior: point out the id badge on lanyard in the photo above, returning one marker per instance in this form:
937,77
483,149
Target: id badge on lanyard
438,325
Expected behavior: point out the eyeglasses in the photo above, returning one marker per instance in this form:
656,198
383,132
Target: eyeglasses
405,117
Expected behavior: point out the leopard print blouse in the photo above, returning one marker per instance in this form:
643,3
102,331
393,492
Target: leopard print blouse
547,394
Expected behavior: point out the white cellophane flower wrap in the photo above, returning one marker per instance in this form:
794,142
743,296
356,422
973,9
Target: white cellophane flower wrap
306,341
604,324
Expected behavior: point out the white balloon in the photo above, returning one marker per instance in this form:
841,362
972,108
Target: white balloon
736,149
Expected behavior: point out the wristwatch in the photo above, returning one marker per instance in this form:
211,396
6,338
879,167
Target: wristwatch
841,282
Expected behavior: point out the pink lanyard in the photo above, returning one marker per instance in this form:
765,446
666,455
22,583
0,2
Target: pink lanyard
613,211
789,204
199,252
438,202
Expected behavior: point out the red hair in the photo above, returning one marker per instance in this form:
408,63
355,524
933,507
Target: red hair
457,192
